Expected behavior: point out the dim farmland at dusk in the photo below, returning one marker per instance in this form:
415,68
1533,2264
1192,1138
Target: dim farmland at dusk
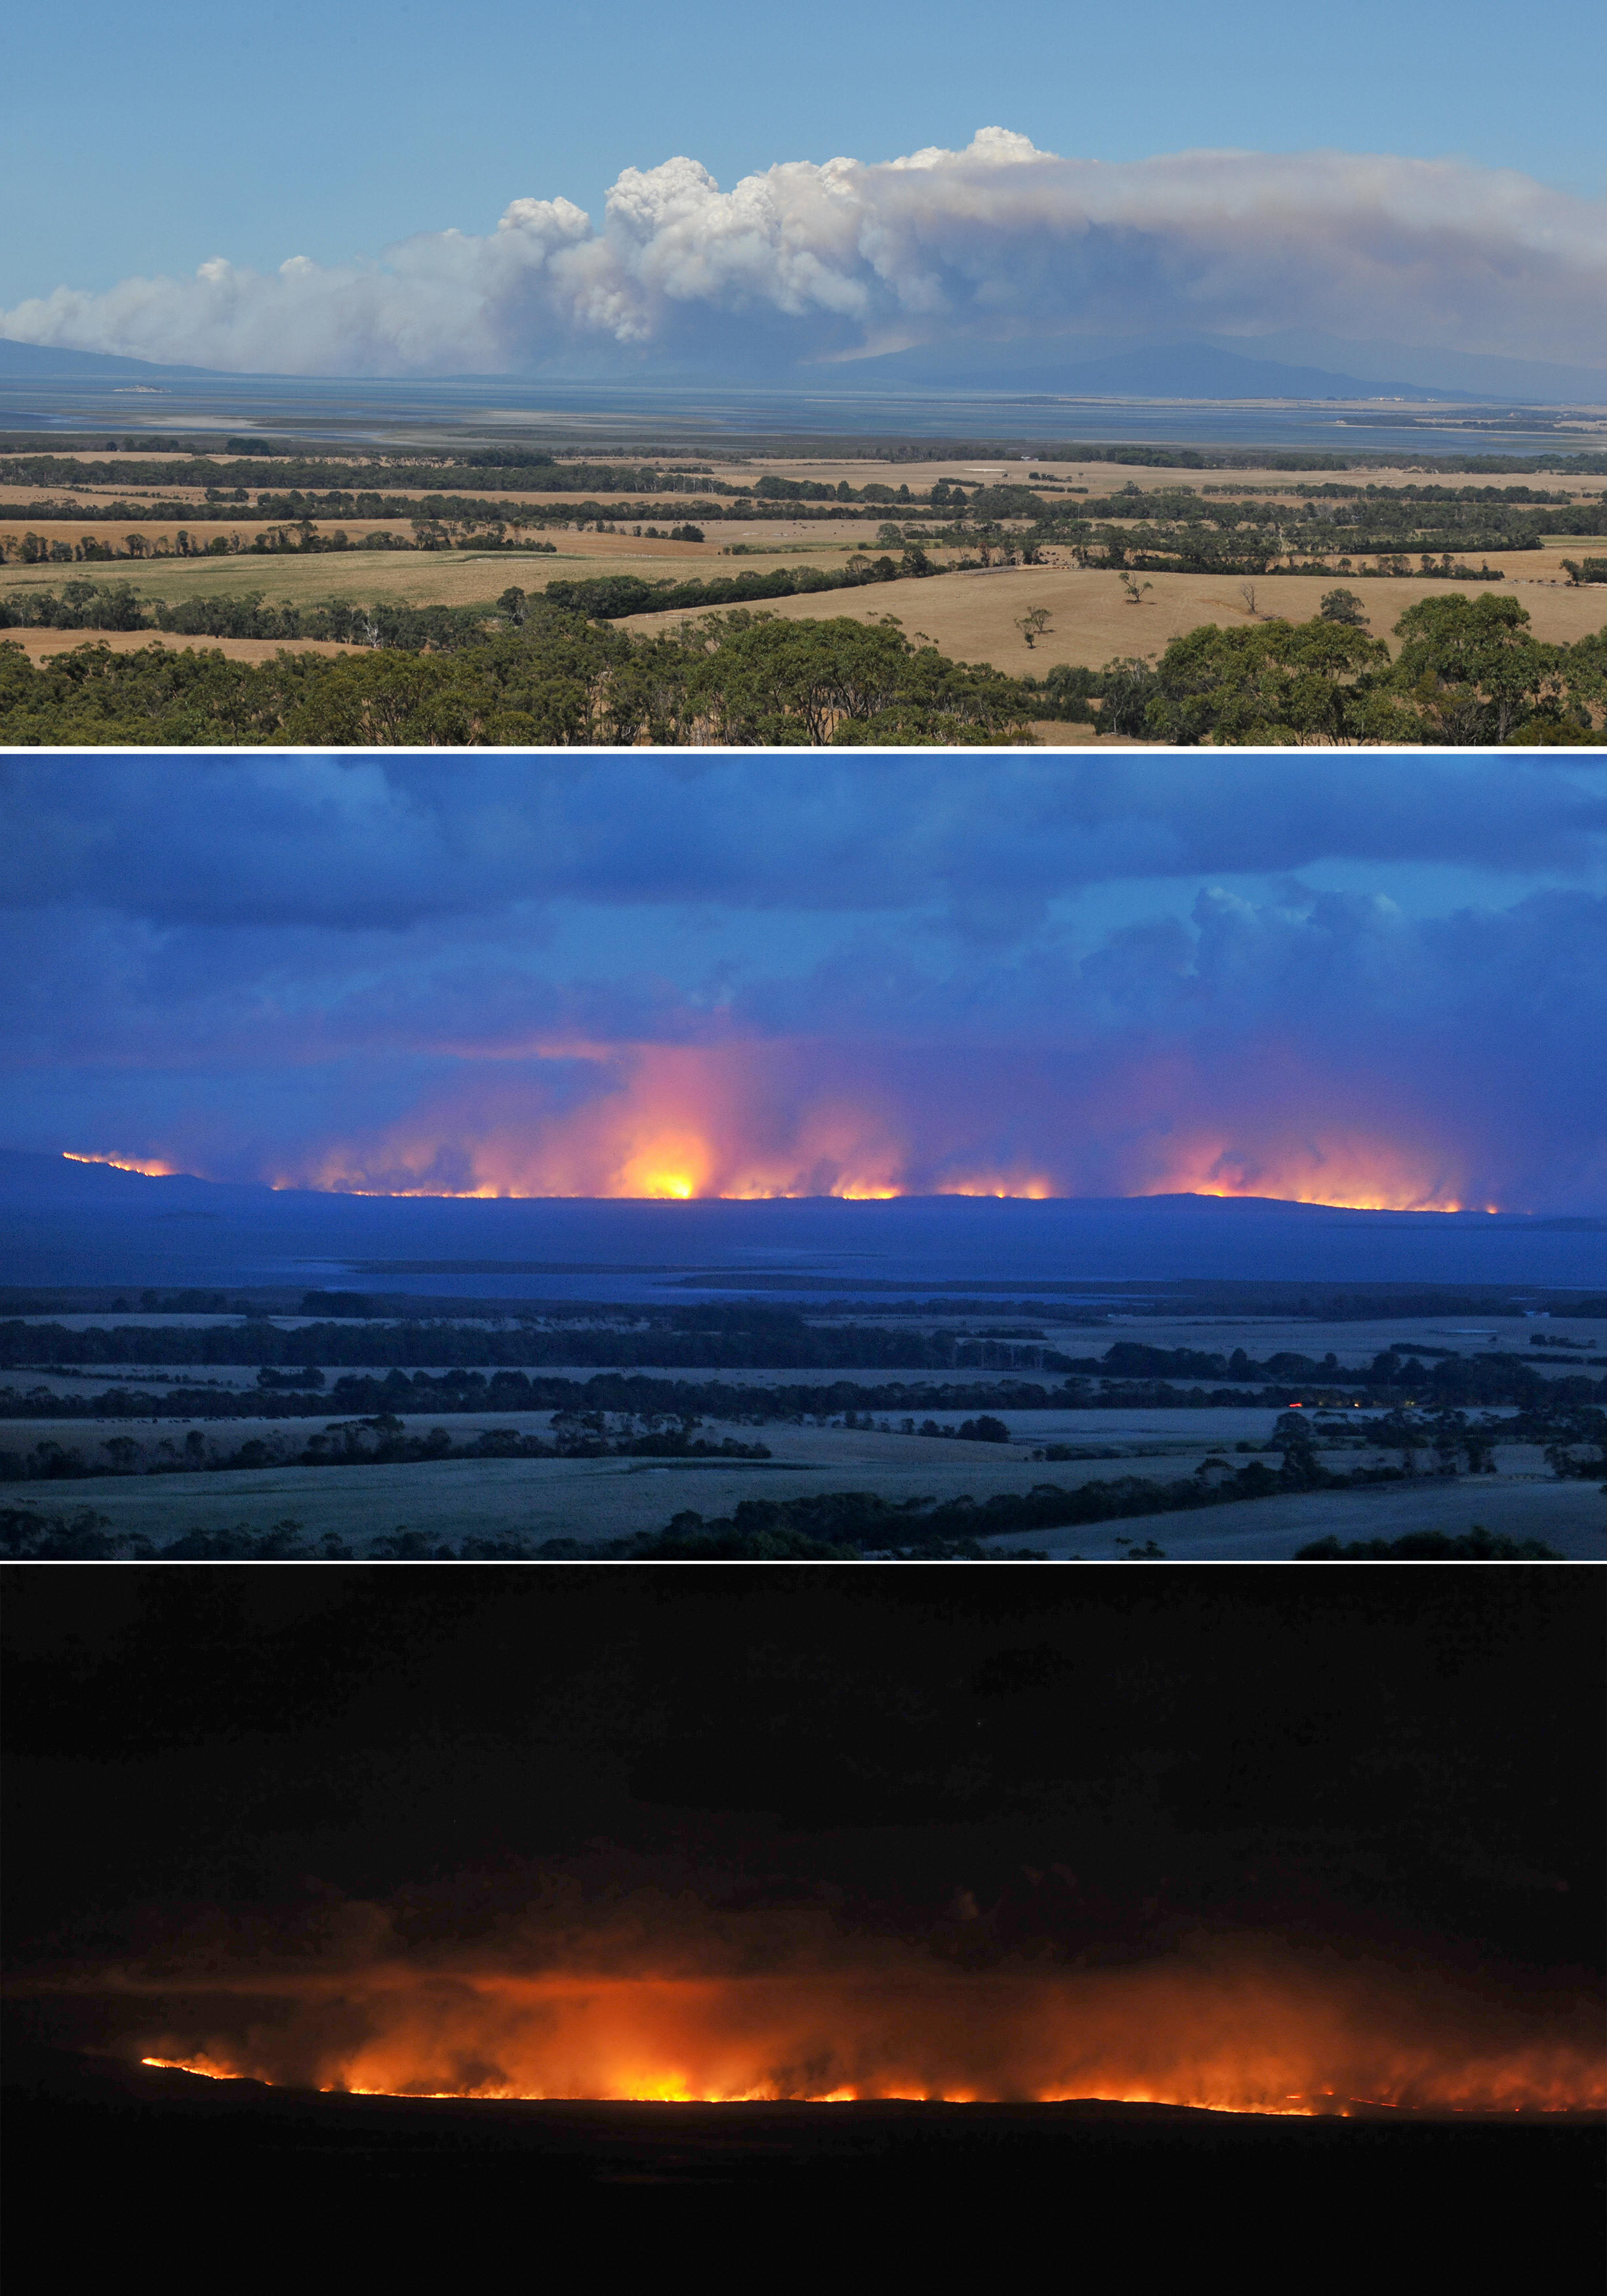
930,1155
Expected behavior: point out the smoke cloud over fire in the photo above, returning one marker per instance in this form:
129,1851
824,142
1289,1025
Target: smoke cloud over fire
1332,982
1192,1838
810,1119
1238,2027
806,263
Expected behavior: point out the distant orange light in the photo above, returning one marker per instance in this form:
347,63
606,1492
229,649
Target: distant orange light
748,1121
1346,1171
1216,2038
148,1168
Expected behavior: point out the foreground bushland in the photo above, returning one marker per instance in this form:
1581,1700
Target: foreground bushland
553,679
826,1526
1469,673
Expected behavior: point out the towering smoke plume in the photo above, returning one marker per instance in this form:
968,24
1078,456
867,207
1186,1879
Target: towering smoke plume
810,262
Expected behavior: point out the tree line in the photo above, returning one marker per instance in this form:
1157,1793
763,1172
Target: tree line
447,522
556,679
1468,674
541,474
88,1537
386,624
435,1368
379,1439
844,1525
1174,530
533,672
728,1338
611,597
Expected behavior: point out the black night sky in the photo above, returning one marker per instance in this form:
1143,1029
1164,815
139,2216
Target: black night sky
974,1838
1403,1761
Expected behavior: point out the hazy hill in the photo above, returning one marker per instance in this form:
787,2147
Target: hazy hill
43,362
1148,371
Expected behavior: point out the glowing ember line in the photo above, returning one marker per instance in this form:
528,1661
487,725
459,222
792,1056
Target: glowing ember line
149,1167
669,2089
1214,2038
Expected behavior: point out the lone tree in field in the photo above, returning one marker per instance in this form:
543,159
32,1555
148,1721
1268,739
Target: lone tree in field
1034,624
1135,589
1343,606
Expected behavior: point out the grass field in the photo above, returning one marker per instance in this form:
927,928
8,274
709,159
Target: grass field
1103,478
598,1499
1570,1517
602,1499
974,616
421,577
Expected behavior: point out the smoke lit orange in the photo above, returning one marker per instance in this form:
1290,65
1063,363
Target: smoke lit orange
149,1167
1337,1168
1228,2034
745,1121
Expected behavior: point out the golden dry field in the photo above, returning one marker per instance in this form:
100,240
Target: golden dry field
1105,478
974,616
424,578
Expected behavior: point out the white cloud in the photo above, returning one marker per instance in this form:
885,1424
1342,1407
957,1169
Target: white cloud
811,261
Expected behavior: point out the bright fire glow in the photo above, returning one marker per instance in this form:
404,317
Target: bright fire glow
1348,1173
1225,2036
747,1121
149,1167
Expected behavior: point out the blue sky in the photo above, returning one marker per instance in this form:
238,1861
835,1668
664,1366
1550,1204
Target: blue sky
150,144
1339,976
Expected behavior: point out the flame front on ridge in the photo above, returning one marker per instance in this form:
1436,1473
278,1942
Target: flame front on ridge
1229,2037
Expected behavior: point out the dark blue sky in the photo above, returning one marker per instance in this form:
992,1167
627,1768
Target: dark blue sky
1339,977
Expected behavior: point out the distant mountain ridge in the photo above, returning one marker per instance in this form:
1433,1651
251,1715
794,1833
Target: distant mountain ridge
1174,371
1199,370
1204,368
1148,370
46,363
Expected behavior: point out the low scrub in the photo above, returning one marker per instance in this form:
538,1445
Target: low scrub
1475,1546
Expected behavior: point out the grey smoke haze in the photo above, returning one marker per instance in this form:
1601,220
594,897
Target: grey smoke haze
831,262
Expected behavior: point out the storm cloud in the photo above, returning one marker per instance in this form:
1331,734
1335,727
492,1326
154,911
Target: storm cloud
832,261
